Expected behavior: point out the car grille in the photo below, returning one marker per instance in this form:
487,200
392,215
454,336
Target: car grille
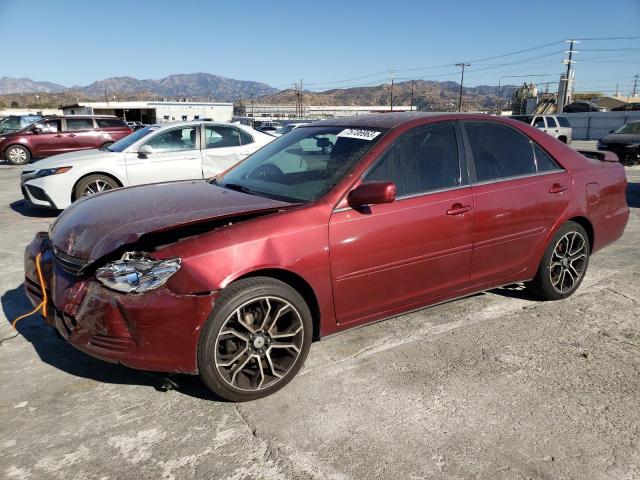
70,264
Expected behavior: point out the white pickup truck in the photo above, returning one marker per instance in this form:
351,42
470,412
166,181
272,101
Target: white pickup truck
556,126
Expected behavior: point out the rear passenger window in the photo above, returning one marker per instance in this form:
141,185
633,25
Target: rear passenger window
538,122
499,152
110,123
79,124
551,122
421,162
544,162
563,122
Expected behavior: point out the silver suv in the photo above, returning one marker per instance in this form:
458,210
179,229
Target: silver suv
556,126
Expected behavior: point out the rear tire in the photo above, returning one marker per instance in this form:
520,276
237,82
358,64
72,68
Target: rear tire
563,265
17,155
255,340
93,184
562,139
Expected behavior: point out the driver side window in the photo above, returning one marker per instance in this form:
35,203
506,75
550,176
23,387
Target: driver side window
174,140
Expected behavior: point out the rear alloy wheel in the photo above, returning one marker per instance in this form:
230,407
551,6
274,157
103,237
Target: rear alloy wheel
564,263
17,155
94,184
256,339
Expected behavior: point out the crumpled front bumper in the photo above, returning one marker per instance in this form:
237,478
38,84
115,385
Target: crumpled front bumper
157,330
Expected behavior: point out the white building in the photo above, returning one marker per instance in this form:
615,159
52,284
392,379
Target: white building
154,112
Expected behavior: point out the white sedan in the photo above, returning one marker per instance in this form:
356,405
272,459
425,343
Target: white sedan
158,153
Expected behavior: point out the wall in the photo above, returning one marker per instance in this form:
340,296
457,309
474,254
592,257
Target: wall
595,125
175,112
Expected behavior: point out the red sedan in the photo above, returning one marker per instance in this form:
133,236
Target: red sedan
336,224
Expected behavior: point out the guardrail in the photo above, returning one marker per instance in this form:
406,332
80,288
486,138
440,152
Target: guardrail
595,125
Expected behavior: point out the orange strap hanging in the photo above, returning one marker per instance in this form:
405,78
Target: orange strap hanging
43,304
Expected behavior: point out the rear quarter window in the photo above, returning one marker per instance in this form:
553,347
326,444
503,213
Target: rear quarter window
563,122
110,123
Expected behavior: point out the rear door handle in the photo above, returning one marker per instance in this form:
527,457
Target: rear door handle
557,188
72,134
192,158
458,209
58,136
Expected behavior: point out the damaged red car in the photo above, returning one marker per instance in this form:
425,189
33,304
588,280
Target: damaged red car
337,224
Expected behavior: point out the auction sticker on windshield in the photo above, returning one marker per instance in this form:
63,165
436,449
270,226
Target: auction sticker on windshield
359,133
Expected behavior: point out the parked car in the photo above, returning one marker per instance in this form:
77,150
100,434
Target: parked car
267,126
556,126
13,123
624,142
287,128
177,151
233,279
629,107
55,135
582,106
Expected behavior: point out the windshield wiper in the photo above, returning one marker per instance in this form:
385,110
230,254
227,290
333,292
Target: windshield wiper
238,188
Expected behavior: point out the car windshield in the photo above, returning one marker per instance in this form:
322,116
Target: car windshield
10,123
302,165
630,128
129,140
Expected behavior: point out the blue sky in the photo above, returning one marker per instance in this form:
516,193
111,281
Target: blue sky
322,42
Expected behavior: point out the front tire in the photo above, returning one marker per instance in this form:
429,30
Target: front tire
17,155
563,265
93,184
255,340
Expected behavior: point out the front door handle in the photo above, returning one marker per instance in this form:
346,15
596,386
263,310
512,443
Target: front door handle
72,134
557,188
458,209
58,136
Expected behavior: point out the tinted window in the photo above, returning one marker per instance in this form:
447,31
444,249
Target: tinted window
79,124
219,137
110,123
563,122
499,151
50,126
544,162
538,122
421,161
551,123
174,140
245,138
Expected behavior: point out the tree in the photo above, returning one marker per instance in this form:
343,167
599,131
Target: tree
14,104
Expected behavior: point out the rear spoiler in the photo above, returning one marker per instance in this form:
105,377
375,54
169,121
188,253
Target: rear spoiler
602,155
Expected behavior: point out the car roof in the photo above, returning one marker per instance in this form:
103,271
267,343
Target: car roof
393,119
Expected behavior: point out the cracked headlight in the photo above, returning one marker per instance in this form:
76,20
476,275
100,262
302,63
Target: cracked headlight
136,274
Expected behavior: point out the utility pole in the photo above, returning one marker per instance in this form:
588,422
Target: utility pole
567,80
411,103
391,99
251,97
635,85
461,82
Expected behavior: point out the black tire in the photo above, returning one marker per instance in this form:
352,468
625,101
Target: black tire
562,139
561,272
213,345
93,184
17,155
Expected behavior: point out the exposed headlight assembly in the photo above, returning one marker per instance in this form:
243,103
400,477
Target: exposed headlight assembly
135,273
51,171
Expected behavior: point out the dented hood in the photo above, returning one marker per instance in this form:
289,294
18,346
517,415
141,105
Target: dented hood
99,224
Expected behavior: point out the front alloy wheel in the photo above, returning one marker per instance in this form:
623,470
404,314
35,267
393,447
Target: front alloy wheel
17,155
256,339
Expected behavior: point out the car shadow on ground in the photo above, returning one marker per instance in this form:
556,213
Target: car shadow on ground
54,351
633,195
515,290
23,208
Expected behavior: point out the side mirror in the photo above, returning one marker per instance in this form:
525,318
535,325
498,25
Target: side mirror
372,193
37,129
611,131
144,151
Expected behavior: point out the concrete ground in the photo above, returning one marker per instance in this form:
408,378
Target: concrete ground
495,386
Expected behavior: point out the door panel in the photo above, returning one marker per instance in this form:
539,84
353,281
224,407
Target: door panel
223,147
175,156
400,253
512,218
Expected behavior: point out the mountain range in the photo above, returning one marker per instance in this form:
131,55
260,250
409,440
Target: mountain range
427,95
201,85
